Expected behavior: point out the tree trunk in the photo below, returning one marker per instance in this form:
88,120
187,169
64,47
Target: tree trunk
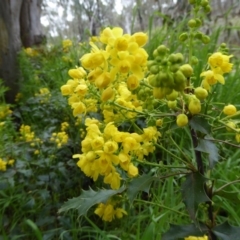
10,44
11,32
31,33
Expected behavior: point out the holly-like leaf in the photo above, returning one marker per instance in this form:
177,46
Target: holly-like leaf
88,199
141,183
232,196
178,231
210,148
200,124
227,232
193,192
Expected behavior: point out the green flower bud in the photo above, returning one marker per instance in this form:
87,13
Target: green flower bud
205,39
174,67
154,69
172,96
150,63
172,104
162,50
198,35
194,60
198,22
187,70
179,80
200,93
152,80
204,3
158,93
155,53
207,9
167,90
192,23
183,37
179,57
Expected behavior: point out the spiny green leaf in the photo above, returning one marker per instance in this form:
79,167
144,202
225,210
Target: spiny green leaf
200,124
232,196
178,231
209,147
227,232
141,183
193,192
88,199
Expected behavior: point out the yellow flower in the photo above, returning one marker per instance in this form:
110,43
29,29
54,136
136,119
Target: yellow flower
11,162
66,90
211,78
66,43
77,73
31,52
108,213
132,170
119,212
113,179
3,165
141,38
219,63
132,82
196,238
78,108
110,147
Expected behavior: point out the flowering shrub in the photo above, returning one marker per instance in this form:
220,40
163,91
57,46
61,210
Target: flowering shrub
134,108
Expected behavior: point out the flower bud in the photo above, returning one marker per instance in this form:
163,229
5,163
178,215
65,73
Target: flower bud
107,94
230,126
182,120
204,3
172,104
205,39
200,93
183,37
159,122
162,50
187,70
192,23
194,106
154,69
229,110
179,80
172,96
158,93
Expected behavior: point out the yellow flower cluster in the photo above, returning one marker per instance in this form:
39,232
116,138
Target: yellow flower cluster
26,133
108,213
105,150
112,71
4,111
66,44
44,93
60,138
3,164
196,238
219,64
31,52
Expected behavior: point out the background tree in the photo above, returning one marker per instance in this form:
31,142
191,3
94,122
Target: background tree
19,24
